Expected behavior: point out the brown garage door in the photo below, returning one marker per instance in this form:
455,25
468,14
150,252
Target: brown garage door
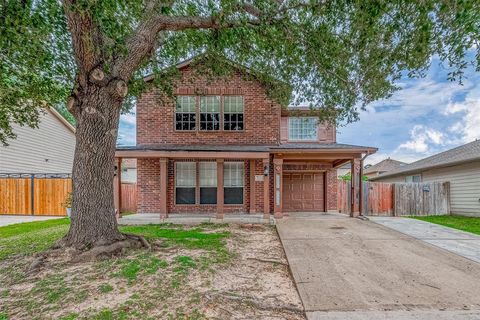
303,192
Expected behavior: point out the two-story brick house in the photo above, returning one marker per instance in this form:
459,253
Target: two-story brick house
222,146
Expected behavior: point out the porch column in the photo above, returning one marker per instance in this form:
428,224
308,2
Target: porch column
220,188
163,187
278,183
252,186
360,189
355,183
266,189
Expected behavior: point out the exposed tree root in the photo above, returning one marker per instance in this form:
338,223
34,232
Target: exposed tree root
97,250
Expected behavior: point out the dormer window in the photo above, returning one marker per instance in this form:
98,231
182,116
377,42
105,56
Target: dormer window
303,128
210,113
185,115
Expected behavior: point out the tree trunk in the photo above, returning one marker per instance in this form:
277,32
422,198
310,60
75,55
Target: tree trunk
93,221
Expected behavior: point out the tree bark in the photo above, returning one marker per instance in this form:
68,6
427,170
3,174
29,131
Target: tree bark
93,220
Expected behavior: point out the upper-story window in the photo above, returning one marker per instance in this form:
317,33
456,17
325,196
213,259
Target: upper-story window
302,128
233,113
185,114
210,113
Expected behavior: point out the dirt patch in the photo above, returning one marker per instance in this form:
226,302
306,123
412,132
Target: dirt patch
246,276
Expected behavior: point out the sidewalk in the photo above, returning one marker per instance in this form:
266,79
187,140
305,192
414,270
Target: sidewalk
463,243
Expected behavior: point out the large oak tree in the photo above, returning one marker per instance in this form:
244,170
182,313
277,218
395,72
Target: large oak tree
91,56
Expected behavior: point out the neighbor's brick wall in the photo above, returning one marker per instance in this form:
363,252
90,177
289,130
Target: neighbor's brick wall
156,113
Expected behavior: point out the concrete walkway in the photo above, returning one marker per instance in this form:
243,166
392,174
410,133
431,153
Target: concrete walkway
8,220
462,243
154,218
347,268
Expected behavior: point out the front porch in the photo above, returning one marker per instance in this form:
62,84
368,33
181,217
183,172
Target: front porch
193,219
246,184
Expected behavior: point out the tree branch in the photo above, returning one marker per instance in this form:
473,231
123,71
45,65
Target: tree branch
86,39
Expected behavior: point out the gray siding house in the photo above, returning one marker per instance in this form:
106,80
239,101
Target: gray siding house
48,149
460,166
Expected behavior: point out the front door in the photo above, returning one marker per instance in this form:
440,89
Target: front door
303,192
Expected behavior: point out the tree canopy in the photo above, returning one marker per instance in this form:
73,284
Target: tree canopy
340,55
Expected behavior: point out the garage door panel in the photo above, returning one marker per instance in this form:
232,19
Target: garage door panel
303,192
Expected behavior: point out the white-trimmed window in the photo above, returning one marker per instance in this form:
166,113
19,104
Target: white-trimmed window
233,182
208,182
210,113
414,178
302,128
185,113
233,109
185,182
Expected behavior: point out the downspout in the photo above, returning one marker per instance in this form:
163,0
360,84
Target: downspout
360,191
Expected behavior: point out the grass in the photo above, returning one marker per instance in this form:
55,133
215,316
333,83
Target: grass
469,224
167,268
31,237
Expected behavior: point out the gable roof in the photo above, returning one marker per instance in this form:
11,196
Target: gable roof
462,154
385,166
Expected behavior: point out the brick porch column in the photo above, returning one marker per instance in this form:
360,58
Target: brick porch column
163,187
220,200
266,190
252,186
278,170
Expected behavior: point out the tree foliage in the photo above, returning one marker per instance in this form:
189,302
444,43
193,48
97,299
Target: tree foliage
340,55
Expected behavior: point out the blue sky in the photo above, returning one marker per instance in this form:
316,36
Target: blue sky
427,116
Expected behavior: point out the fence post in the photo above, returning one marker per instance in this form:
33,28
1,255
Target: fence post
32,194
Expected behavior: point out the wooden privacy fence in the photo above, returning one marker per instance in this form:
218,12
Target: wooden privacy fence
398,199
421,199
129,197
34,194
377,198
44,194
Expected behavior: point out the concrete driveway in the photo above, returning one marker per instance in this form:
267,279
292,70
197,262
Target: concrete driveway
347,268
7,220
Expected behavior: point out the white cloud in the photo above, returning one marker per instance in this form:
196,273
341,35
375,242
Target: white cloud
421,138
469,126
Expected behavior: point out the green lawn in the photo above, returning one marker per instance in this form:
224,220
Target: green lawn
155,275
469,224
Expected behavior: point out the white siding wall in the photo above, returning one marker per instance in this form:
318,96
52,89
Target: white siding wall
464,186
28,153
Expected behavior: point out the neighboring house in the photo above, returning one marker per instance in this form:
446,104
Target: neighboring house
343,170
460,166
48,149
382,167
223,146
129,170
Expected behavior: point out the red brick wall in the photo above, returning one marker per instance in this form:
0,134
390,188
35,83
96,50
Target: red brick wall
331,180
156,113
148,184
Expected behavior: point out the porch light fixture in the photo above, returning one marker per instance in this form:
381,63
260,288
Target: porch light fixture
266,169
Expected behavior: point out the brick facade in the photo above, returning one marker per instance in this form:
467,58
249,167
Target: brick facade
262,118
261,115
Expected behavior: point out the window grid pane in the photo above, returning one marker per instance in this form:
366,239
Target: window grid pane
208,174
233,174
185,174
302,128
185,117
210,113
233,107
